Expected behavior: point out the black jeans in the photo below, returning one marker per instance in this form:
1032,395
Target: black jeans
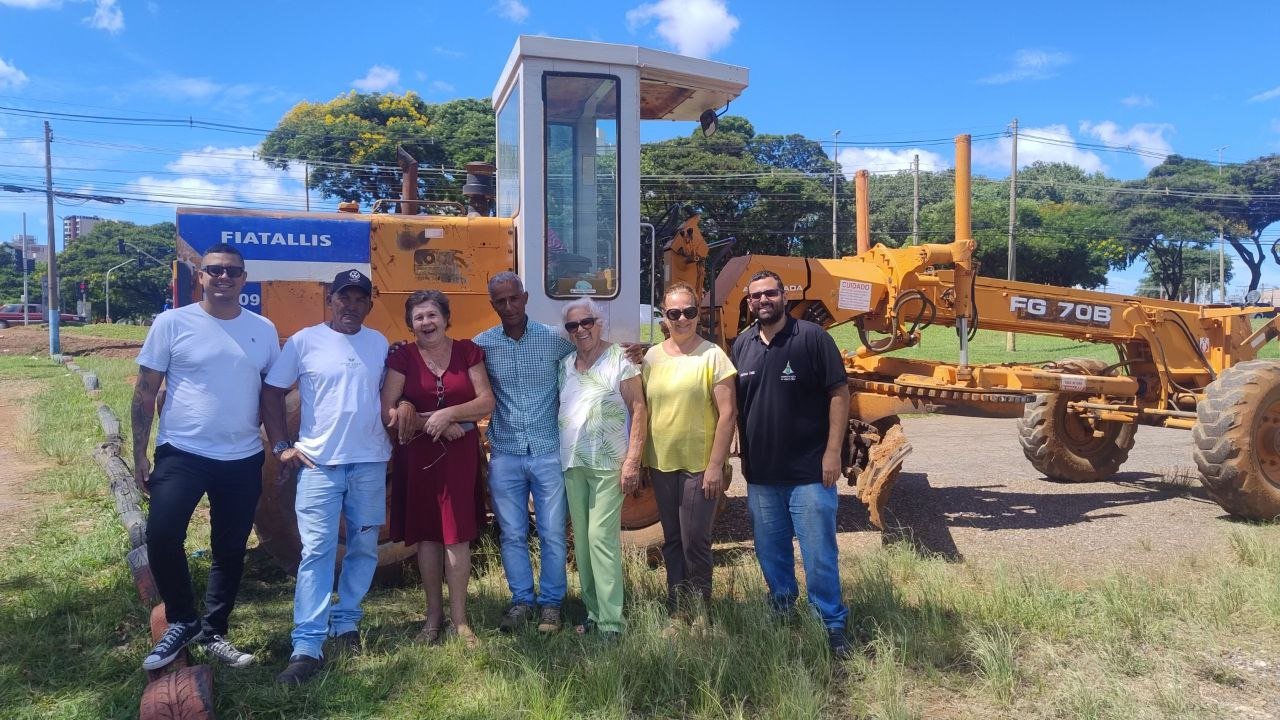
178,481
687,516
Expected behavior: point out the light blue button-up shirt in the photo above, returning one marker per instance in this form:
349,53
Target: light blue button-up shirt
524,375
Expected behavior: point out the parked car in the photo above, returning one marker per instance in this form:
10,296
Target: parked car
11,314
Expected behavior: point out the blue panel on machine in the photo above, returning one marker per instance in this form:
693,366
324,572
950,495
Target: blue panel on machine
261,237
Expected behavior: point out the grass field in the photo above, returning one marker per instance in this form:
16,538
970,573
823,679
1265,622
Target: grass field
943,639
112,331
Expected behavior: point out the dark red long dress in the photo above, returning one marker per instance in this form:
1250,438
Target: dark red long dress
439,503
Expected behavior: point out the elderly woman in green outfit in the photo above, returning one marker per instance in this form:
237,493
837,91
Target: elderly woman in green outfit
603,421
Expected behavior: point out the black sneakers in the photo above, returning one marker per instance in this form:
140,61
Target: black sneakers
178,636
841,649
348,642
222,649
301,668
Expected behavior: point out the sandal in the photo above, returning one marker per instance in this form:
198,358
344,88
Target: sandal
429,635
587,627
466,635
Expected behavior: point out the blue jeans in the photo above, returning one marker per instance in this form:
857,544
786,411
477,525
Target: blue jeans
512,479
356,493
808,513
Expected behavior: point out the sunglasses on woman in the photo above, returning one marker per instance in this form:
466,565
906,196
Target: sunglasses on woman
674,314
586,322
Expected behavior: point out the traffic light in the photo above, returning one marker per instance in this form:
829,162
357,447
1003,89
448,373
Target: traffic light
84,287
120,246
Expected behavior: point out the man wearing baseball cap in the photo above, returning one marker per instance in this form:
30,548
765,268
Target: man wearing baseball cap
343,450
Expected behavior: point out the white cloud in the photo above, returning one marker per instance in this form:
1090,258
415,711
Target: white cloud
693,27
440,50
32,4
1029,64
378,79
512,10
1143,136
1051,143
887,159
106,16
224,177
1271,94
11,78
442,86
1138,101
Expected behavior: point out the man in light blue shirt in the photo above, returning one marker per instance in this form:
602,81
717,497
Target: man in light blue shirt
522,357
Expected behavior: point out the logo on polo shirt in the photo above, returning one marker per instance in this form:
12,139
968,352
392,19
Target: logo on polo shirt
788,375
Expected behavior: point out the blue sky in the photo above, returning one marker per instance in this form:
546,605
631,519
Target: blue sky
1157,77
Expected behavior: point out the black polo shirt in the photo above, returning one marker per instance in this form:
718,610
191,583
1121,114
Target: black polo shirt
783,401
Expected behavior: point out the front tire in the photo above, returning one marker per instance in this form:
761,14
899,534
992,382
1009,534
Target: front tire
1067,447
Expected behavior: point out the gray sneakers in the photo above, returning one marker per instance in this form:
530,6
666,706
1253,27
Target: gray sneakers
549,619
515,617
221,648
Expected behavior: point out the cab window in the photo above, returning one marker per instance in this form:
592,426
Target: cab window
580,133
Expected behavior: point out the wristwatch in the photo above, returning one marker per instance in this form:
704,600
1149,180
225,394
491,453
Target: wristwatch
280,447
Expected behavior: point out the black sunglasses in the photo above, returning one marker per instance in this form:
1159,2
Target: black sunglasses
771,293
231,271
673,314
586,322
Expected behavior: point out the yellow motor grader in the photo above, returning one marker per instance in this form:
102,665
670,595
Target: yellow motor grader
565,214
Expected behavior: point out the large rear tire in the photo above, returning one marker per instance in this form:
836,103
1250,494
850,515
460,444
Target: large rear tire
1067,447
1237,439
641,524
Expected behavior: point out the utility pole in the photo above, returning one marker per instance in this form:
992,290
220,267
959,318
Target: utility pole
1222,243
306,183
835,175
1010,343
26,311
915,200
52,305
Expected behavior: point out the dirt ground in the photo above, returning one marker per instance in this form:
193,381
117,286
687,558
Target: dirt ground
19,466
35,341
967,492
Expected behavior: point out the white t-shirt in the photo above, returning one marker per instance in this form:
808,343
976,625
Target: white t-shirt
213,373
339,379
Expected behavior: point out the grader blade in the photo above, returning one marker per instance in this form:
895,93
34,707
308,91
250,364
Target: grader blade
875,483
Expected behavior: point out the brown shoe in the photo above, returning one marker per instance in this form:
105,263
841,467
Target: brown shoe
515,617
465,634
549,619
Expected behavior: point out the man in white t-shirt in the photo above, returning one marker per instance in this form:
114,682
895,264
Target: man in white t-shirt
211,357
343,448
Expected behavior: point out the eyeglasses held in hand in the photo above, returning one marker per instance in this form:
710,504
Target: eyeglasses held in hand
674,314
444,450
439,393
771,293
586,322
231,271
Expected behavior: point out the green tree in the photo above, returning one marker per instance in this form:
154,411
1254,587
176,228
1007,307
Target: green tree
351,143
1199,270
11,278
138,288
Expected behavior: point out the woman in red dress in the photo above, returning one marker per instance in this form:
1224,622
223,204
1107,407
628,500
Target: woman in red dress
438,389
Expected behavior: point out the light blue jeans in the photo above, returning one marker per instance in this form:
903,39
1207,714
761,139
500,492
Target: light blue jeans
356,493
512,479
807,513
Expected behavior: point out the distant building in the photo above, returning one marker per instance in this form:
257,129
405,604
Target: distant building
75,226
34,250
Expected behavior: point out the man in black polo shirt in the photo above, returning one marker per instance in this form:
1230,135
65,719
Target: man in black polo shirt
793,410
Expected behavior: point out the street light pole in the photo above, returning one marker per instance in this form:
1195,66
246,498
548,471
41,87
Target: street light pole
1222,243
107,291
835,175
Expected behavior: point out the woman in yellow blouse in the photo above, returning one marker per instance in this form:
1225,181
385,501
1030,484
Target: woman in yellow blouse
689,389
